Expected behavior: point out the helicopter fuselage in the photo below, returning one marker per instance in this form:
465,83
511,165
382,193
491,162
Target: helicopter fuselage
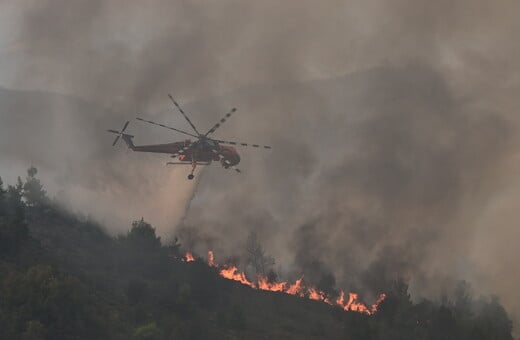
198,151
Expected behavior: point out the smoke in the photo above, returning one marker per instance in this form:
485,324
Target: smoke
66,139
388,176
393,128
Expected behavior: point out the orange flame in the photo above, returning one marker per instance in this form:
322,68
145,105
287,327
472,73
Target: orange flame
188,257
296,288
211,259
376,304
315,294
232,273
353,304
264,284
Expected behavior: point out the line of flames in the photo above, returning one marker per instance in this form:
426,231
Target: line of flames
232,273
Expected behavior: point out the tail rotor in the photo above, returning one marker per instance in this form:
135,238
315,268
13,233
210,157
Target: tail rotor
119,133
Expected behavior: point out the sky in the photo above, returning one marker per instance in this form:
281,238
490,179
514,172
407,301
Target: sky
393,126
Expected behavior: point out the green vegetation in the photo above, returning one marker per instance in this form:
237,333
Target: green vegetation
63,277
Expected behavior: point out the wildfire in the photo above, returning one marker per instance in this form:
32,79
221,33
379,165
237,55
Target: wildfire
232,273
264,284
188,257
351,304
211,259
296,288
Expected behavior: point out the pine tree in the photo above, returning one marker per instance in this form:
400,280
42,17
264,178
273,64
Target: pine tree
19,185
13,231
15,205
2,190
142,235
256,255
33,190
3,193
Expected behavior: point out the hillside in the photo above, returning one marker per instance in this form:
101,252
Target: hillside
63,277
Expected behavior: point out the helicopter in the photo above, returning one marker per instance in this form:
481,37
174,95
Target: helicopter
203,150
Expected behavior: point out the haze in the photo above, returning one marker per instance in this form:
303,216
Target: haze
393,126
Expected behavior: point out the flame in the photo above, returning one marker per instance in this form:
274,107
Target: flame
264,284
211,259
353,303
232,273
296,288
341,299
315,294
188,257
376,304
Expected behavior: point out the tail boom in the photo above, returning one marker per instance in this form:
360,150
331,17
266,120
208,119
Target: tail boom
128,141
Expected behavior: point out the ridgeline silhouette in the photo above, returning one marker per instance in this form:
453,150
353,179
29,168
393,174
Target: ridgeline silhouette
62,277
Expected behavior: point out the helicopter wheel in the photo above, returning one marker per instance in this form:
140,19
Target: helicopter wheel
190,176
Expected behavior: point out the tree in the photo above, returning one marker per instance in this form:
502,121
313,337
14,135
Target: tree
3,193
444,325
272,276
42,300
34,330
396,312
142,235
358,327
19,185
136,291
492,322
327,284
15,205
13,228
462,299
256,256
174,248
33,190
148,332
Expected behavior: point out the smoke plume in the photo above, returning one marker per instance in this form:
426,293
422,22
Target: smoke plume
393,126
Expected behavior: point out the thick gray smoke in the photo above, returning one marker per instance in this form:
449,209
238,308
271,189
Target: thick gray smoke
393,127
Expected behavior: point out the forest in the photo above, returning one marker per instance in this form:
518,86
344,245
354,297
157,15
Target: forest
62,276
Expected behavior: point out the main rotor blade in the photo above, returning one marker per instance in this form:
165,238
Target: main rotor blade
216,126
114,131
184,114
241,144
168,127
